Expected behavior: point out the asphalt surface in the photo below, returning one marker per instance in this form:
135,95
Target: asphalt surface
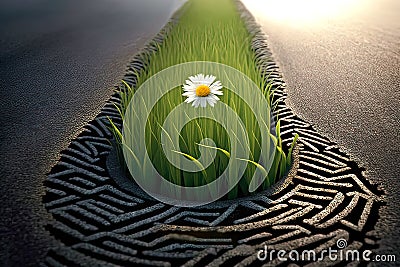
59,61
342,69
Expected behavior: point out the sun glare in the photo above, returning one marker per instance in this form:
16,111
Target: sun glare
300,11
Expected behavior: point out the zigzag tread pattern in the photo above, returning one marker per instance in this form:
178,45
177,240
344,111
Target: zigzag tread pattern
101,223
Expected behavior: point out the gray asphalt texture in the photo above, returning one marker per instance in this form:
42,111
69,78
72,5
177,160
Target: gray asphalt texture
59,61
343,76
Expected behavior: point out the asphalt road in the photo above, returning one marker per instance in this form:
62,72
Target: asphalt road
341,63
59,61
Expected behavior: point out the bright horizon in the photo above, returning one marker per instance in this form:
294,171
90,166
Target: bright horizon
313,12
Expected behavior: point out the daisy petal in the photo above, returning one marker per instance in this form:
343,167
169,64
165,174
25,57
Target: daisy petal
189,82
203,102
209,79
211,101
189,89
218,83
189,94
216,98
196,102
215,86
216,92
190,99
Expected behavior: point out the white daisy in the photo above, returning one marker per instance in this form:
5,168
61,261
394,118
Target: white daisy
201,90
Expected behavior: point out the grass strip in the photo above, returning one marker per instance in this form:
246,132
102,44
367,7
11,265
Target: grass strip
208,31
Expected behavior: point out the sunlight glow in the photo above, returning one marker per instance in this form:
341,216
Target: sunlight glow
300,11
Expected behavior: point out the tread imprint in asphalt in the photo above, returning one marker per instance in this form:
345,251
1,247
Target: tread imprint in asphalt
101,223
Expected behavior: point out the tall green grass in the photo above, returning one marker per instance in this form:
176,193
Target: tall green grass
208,31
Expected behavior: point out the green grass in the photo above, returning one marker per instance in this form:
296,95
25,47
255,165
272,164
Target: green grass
208,31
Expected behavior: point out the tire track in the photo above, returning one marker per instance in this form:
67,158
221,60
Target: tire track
324,198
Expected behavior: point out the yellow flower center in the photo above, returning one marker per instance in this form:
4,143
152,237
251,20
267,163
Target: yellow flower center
203,90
